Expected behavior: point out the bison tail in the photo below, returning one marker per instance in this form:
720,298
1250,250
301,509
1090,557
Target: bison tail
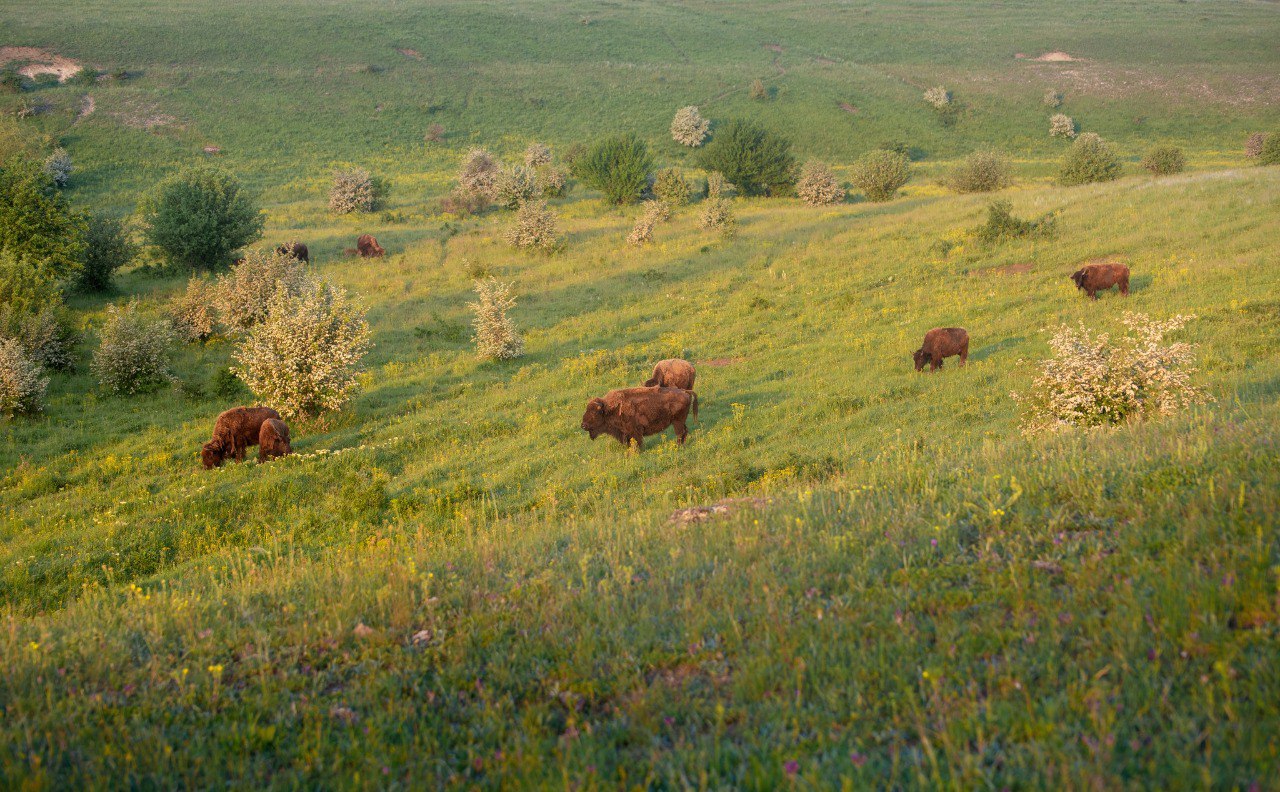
693,406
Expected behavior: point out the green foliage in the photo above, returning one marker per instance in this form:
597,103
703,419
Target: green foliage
41,238
199,217
1269,152
880,174
11,81
1002,226
670,186
134,352
87,77
758,161
108,247
1164,160
46,335
1090,159
617,166
981,171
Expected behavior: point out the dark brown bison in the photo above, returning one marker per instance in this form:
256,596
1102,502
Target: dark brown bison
1093,278
939,343
672,373
631,414
297,250
367,246
273,440
233,432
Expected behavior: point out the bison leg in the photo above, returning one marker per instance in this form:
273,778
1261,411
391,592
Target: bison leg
1093,294
682,431
935,363
964,353
1124,287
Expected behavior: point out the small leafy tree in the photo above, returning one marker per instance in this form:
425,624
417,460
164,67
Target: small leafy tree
981,171
199,217
22,384
750,156
304,358
534,227
1164,160
133,352
880,174
46,335
1090,159
617,166
243,295
671,187
1269,154
717,215
107,249
58,166
1002,225
818,186
1062,125
496,336
353,190
689,128
41,239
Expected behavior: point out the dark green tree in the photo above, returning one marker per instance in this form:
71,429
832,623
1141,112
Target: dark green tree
108,249
199,217
617,166
41,238
752,158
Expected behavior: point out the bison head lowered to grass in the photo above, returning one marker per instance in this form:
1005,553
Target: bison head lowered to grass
631,414
233,432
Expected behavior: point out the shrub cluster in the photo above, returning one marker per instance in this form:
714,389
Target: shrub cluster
617,166
434,133
1062,125
818,186
107,249
689,128
41,237
670,186
1164,160
758,91
534,228
750,156
654,212
477,173
717,215
552,182
981,171
45,335
1090,159
1269,154
353,190
304,357
496,336
133,352
199,217
1052,99
1091,382
22,384
537,155
513,186
1253,144
58,166
463,202
880,174
243,295
939,98
194,313
1002,226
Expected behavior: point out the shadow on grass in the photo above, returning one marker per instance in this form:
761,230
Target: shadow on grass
994,349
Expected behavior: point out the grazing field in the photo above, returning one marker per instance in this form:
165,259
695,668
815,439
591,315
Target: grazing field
853,575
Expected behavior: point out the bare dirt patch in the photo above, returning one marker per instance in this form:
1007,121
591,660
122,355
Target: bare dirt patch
37,62
409,53
1057,56
1013,269
722,508
720,362
212,150
848,108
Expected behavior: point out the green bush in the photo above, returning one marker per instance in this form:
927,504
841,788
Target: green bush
1002,226
758,161
1090,159
671,187
107,249
199,217
1269,154
880,174
1164,160
11,81
41,238
617,166
981,171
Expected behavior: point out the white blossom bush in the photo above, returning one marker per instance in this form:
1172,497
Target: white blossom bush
513,186
1052,99
552,182
1062,125
1090,381
22,384
353,190
535,228
477,173
717,215
719,187
938,97
44,336
133,352
194,313
243,295
689,128
654,212
496,336
818,186
537,155
304,358
58,166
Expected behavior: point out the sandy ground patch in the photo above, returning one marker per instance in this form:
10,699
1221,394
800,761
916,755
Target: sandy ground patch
1057,56
721,508
38,62
1013,269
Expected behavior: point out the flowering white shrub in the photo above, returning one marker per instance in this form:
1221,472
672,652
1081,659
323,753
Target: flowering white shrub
654,212
537,155
1062,125
194,313
1091,382
477,173
496,336
552,181
817,185
21,385
938,97
353,190
1052,99
304,358
133,352
58,166
719,187
513,186
242,296
44,337
717,215
535,227
689,128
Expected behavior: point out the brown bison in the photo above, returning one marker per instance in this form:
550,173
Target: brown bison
295,249
939,343
273,440
367,246
233,432
631,414
1093,278
672,373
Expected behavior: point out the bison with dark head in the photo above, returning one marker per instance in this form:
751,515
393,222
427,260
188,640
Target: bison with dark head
631,414
939,343
1093,278
233,432
295,249
367,246
273,440
672,373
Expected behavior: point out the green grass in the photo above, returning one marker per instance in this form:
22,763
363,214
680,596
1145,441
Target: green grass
923,598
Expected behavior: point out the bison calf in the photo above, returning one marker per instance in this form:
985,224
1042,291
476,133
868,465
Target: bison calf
939,343
233,432
295,249
367,246
1094,278
273,440
631,414
672,373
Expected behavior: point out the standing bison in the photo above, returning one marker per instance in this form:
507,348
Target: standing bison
672,373
1093,278
631,414
295,249
233,432
273,440
939,343
367,246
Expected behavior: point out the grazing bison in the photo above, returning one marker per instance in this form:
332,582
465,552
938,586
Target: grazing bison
233,432
631,414
297,250
939,343
1093,278
672,373
273,440
367,246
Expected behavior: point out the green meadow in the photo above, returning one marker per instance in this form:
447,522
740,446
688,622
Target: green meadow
449,585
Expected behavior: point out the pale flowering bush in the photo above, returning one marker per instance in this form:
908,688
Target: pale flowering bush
1090,381
1253,144
513,186
1052,99
654,212
477,173
537,155
689,128
1062,125
243,295
717,215
818,186
880,174
353,190
194,313
937,97
496,336
719,187
58,166
46,336
22,385
534,228
133,352
552,182
304,358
